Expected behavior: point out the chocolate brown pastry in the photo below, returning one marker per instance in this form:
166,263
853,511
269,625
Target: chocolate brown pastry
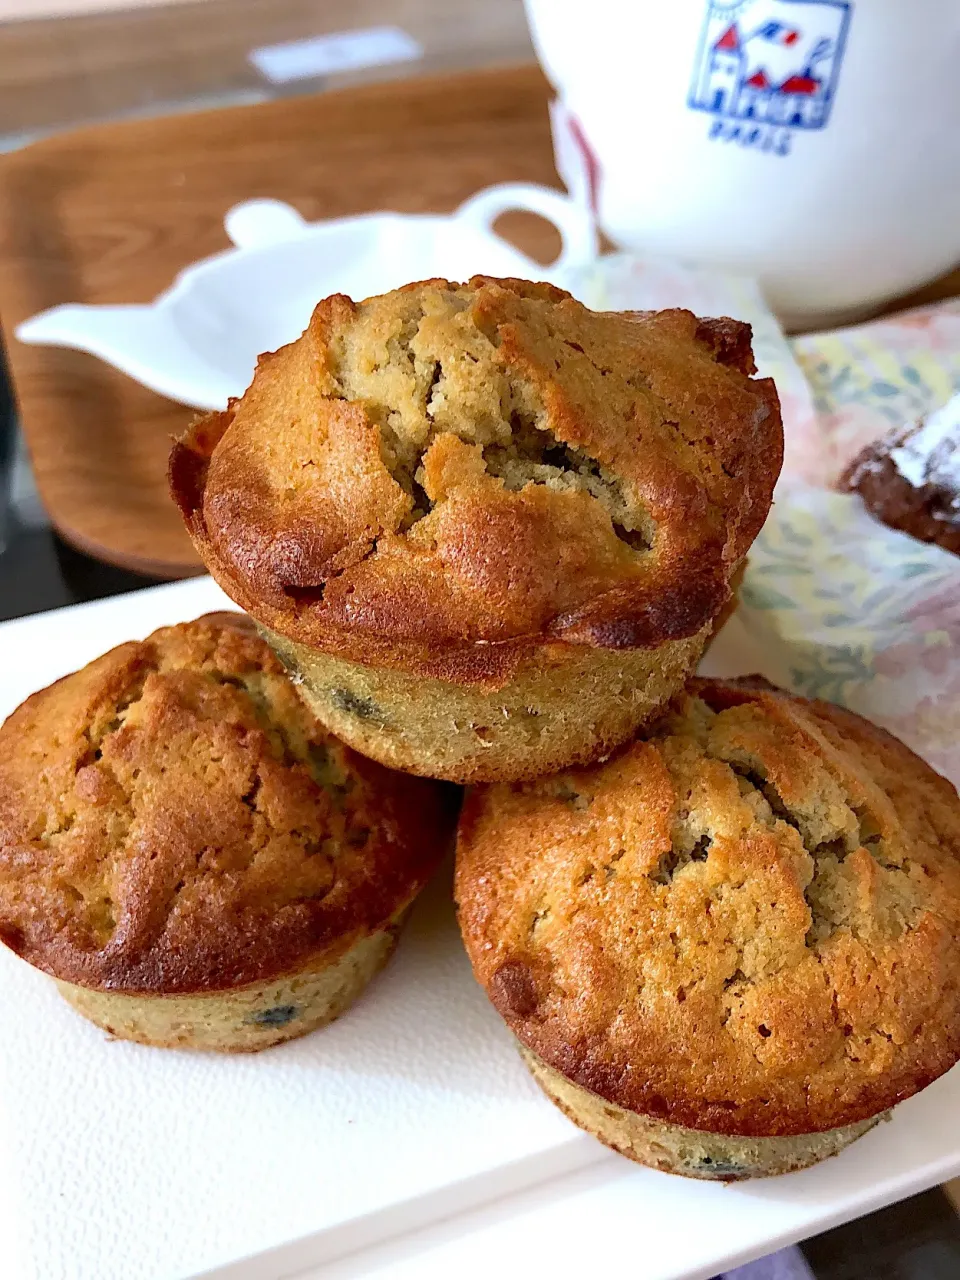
192,857
731,948
488,528
911,478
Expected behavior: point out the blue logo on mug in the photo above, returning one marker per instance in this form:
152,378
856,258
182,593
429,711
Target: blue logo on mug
767,67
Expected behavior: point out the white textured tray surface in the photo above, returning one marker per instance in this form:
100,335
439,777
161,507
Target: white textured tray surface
410,1115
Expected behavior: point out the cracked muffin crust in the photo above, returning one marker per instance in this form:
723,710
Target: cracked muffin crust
742,929
470,485
191,855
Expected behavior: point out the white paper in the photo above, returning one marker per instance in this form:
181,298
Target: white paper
341,51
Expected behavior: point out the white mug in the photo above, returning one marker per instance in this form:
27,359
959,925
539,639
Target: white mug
814,144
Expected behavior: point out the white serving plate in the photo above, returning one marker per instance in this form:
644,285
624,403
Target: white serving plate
198,342
405,1141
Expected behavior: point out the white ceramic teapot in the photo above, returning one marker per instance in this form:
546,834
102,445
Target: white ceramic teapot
198,342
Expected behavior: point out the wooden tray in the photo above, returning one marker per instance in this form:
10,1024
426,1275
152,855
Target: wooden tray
110,214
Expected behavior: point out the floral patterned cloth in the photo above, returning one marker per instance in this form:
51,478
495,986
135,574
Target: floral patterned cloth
835,605
868,379
843,608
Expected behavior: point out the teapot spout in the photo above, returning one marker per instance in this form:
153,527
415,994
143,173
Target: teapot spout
137,340
103,331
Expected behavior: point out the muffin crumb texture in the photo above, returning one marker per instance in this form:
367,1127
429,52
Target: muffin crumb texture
440,377
746,923
174,820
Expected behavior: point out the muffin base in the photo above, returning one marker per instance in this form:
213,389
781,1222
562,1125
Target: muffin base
692,1153
246,1019
570,707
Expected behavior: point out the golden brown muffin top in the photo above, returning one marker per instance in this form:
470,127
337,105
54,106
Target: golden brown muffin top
173,819
748,921
437,478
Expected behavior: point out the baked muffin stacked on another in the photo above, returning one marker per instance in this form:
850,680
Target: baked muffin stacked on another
730,949
488,528
191,856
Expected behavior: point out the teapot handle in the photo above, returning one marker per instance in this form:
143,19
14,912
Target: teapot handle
577,231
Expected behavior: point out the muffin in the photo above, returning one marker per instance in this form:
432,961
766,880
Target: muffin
487,528
732,948
191,856
910,479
